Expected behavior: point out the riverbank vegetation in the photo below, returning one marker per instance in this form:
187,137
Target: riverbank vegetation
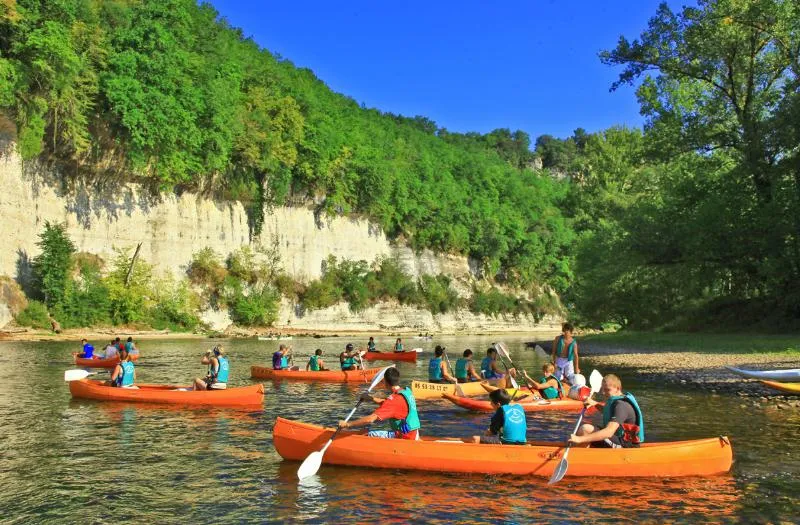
702,343
690,223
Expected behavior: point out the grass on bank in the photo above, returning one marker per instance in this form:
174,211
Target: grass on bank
703,343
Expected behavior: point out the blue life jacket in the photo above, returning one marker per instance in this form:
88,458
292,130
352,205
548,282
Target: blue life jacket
486,368
277,361
126,377
129,346
88,350
435,369
411,422
284,362
462,365
515,425
551,392
224,368
570,348
628,432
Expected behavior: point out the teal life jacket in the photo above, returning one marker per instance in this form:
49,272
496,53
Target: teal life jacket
551,392
398,347
224,368
371,346
411,422
570,348
284,362
628,432
314,362
435,369
348,362
515,425
126,377
129,346
462,365
486,368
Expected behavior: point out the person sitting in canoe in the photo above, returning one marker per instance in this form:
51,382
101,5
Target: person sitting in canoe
549,386
315,362
280,359
348,358
218,369
124,373
565,354
110,351
465,370
371,345
437,368
400,409
87,351
623,425
398,345
489,368
131,348
508,426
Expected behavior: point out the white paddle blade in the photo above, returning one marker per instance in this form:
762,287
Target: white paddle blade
416,350
540,352
560,471
378,378
310,465
595,381
76,375
514,383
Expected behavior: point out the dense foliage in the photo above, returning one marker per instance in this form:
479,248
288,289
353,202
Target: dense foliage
171,92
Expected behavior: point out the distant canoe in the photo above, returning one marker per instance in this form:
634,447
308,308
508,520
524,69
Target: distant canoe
100,363
252,395
329,376
542,405
790,375
789,388
426,390
698,457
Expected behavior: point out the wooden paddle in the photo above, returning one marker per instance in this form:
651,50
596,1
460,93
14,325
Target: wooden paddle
595,381
459,390
311,464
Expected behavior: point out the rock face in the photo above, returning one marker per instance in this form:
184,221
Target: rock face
101,218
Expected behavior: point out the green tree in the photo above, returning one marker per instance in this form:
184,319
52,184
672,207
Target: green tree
52,266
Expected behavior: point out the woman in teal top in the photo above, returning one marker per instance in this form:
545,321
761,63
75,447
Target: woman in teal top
124,373
437,368
398,345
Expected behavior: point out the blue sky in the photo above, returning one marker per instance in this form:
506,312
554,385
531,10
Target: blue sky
468,65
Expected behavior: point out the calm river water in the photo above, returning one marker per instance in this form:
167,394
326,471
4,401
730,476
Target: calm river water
67,460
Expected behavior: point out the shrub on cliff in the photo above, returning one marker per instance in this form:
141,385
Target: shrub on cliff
206,269
35,316
175,307
259,307
438,295
51,267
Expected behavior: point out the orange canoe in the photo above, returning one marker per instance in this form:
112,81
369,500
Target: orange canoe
391,356
702,457
331,376
240,396
100,363
541,405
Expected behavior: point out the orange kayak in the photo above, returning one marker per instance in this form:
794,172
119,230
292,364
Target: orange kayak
541,405
702,457
391,356
789,388
240,396
100,363
331,376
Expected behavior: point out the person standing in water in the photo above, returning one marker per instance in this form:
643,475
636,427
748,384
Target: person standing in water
565,354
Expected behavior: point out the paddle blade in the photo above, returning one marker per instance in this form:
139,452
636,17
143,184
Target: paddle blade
310,465
514,383
378,378
76,375
560,471
416,350
596,381
540,352
501,349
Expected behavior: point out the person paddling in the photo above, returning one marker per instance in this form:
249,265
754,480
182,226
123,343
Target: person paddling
509,424
489,368
87,351
315,362
399,409
623,424
347,359
124,373
398,345
565,354
437,368
130,347
371,345
218,370
549,386
465,370
280,359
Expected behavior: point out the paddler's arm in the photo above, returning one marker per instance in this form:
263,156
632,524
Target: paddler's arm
577,366
597,435
360,422
472,373
445,374
366,396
